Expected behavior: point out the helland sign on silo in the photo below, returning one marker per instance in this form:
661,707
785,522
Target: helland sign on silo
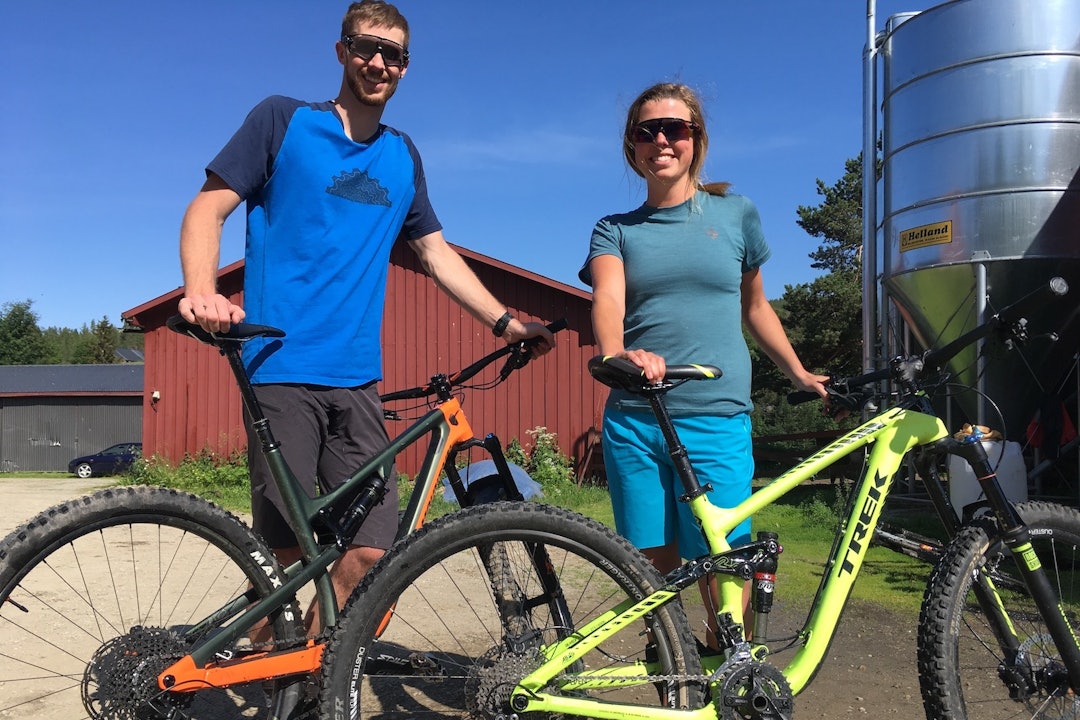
925,235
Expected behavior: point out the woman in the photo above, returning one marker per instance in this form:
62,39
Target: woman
676,279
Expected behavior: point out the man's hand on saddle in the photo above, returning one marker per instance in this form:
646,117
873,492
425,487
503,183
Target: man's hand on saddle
212,312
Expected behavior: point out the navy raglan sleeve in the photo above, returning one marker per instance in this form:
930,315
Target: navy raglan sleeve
421,219
247,160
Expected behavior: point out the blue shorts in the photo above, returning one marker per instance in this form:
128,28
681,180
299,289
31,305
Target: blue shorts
645,487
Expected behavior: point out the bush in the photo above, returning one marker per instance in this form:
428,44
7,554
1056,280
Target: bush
223,479
827,507
547,465
544,460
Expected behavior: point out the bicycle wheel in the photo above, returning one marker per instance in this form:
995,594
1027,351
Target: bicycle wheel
963,670
430,638
98,595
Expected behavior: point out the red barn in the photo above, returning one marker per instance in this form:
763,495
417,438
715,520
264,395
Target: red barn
190,401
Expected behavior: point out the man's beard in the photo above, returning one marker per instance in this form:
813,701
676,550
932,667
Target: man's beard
368,99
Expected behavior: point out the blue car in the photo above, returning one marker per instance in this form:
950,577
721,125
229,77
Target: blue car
110,461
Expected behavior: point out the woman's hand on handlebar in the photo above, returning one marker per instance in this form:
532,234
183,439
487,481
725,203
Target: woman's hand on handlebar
212,312
811,382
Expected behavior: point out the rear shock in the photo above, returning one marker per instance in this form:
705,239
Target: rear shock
764,584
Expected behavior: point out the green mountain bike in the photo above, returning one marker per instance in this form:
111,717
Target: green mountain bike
137,603
424,634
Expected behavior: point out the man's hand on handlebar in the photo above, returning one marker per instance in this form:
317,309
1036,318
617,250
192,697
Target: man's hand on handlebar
212,312
545,340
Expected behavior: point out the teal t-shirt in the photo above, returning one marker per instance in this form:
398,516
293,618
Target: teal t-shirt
684,268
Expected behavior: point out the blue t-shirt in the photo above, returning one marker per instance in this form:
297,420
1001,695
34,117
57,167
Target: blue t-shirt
684,268
323,213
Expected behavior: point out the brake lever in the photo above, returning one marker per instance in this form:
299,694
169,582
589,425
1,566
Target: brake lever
519,357
842,401
1015,334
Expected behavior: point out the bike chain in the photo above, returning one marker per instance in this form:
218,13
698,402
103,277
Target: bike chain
275,645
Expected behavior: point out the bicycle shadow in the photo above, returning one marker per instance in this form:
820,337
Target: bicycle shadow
400,698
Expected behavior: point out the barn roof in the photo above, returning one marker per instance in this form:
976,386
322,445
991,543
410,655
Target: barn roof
121,379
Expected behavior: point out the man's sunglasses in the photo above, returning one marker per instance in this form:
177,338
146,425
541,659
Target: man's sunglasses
674,129
366,47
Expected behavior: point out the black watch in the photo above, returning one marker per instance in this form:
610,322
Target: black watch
501,324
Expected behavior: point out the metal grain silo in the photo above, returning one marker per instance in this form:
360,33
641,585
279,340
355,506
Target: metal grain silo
980,192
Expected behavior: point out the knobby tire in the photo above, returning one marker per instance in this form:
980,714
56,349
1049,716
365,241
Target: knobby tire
963,671
99,594
464,619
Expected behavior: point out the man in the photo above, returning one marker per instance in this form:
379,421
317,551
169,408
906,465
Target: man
329,190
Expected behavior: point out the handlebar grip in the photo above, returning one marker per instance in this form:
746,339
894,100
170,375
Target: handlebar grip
558,325
801,396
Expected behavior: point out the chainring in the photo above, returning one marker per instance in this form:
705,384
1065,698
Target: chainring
756,691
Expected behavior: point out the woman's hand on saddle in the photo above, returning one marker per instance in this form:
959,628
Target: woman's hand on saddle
651,364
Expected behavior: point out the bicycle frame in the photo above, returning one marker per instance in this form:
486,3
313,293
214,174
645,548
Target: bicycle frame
324,525
893,432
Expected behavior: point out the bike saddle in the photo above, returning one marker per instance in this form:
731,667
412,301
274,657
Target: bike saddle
239,332
619,373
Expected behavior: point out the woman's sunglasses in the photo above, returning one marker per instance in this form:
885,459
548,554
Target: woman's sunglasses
365,47
674,129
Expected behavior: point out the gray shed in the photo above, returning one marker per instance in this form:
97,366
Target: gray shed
50,414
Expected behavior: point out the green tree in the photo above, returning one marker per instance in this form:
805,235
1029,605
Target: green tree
823,318
98,345
21,341
62,344
837,220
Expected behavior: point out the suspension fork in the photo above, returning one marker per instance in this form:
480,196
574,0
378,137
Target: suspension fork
493,446
509,596
1015,535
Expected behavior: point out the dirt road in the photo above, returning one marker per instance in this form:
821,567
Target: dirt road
24,497
870,669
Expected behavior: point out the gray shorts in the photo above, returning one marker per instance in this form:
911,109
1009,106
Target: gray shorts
325,435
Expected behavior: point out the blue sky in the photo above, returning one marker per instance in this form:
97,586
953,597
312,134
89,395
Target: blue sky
110,110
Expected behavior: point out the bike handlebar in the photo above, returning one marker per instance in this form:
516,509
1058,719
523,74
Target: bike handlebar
520,352
909,369
519,355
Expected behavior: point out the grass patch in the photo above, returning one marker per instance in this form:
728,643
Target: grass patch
43,475
806,519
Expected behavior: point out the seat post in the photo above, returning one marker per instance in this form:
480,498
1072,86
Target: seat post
231,351
676,449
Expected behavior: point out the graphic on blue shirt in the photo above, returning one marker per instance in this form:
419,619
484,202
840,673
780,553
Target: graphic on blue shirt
359,187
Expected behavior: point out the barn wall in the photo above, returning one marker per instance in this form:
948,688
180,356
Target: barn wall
424,333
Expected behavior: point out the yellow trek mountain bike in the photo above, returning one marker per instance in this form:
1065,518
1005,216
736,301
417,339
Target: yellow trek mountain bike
137,602
424,635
